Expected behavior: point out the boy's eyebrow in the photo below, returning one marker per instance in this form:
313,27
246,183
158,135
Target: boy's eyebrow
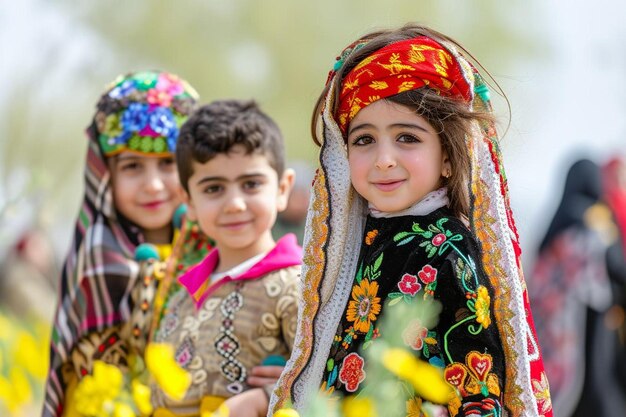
224,179
394,125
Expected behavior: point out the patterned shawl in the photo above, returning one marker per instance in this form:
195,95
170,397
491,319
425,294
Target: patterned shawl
336,219
140,112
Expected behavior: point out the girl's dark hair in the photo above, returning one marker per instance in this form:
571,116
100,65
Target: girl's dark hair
451,118
217,127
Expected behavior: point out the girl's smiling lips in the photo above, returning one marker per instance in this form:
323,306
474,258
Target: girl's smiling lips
388,185
153,205
235,225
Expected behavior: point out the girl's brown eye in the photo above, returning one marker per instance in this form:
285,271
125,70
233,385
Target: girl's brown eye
406,138
362,140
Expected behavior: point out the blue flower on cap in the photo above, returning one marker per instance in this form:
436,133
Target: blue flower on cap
135,117
162,121
171,140
123,89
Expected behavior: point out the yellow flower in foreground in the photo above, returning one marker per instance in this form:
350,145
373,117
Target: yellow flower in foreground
27,354
123,410
358,407
427,380
482,307
286,412
172,379
7,397
141,397
6,328
222,411
22,390
98,389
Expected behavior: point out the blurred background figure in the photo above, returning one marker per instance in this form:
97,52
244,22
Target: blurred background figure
572,297
28,272
27,285
292,219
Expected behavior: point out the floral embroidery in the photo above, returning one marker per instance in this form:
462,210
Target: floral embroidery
439,239
439,247
454,405
185,353
479,364
427,274
541,389
414,407
473,377
327,388
409,284
371,272
370,236
431,349
482,307
364,306
414,335
456,374
349,337
352,373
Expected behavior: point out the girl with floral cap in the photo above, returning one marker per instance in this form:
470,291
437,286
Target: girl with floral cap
411,202
131,194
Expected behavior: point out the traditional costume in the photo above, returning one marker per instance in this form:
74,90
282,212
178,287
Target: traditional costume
221,325
140,112
485,336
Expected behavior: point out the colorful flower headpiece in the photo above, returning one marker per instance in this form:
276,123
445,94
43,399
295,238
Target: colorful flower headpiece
401,66
142,112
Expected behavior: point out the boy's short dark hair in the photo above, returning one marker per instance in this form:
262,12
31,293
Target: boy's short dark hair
219,126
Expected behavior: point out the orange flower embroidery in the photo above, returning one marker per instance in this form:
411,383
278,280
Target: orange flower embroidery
370,236
414,407
364,307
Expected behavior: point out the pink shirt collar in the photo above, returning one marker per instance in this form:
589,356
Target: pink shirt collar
197,279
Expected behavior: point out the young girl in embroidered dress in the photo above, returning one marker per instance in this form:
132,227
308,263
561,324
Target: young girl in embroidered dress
411,201
131,194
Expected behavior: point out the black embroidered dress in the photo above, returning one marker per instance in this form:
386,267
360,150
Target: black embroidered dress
432,256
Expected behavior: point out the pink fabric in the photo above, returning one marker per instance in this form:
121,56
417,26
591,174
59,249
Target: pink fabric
286,253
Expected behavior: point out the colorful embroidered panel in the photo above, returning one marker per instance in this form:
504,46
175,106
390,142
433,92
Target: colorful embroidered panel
423,257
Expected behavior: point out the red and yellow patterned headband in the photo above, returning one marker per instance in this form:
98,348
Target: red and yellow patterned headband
401,66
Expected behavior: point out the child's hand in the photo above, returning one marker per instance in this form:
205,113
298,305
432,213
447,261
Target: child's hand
251,403
261,376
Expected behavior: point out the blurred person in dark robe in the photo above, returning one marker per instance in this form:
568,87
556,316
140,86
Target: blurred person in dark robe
572,296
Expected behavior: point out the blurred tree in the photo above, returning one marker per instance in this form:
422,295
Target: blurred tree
278,52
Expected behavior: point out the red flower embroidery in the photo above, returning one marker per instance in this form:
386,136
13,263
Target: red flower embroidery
427,274
409,285
414,335
439,239
455,374
352,373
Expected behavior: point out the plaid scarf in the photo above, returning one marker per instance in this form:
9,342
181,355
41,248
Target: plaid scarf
99,271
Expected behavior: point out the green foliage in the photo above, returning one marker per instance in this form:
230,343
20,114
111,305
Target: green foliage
278,52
